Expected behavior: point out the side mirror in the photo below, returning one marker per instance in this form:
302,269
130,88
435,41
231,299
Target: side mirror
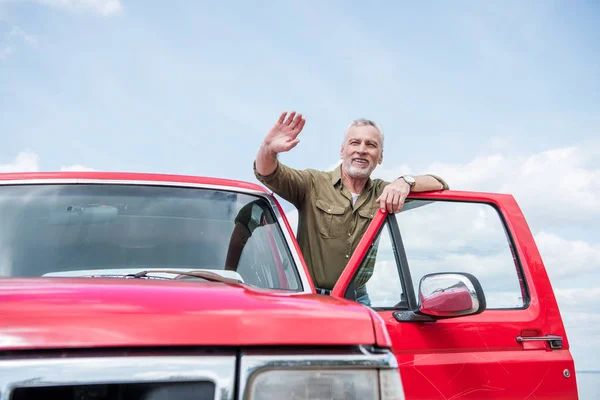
450,295
446,295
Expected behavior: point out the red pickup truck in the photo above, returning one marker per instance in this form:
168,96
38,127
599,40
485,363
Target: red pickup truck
148,286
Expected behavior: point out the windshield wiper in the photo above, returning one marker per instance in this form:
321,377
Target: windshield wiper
209,276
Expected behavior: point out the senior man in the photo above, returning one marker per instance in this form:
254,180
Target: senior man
335,207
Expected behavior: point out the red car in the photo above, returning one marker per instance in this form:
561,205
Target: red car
144,286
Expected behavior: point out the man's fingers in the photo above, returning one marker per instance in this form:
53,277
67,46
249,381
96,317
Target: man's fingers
282,117
390,204
383,201
296,121
388,200
400,203
298,129
290,118
400,207
392,199
396,201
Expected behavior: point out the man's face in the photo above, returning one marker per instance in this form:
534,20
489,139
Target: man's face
361,151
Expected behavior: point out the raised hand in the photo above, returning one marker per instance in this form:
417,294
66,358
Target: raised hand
283,135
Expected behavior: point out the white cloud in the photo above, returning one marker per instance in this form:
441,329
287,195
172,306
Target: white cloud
102,7
26,161
333,166
574,299
11,39
17,32
583,332
384,287
292,217
557,185
566,258
76,167
5,51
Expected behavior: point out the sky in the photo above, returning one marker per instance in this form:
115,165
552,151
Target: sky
492,96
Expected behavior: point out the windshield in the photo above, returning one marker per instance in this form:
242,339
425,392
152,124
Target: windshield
115,230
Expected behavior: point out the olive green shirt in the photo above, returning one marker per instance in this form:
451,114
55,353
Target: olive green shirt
329,226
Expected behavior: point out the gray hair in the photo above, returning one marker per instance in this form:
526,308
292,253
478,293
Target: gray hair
366,122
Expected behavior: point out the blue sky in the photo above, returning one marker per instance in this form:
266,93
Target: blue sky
499,96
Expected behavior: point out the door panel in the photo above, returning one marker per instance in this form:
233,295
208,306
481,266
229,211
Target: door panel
499,374
476,356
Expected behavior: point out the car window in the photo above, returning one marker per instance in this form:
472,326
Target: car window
447,236
110,229
378,281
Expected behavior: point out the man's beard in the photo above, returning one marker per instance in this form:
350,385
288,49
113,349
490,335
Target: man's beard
356,172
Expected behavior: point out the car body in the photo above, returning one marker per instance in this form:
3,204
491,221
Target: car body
77,322
178,319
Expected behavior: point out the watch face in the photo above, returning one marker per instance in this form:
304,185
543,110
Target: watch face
409,179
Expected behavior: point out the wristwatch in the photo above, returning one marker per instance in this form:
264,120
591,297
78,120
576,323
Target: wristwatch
409,179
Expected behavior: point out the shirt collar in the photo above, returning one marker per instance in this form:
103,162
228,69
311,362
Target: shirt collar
336,177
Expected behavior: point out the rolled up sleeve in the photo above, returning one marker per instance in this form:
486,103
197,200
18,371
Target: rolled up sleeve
442,181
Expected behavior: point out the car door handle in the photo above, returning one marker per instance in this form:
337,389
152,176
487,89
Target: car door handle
555,341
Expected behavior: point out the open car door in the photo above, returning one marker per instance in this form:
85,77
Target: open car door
467,302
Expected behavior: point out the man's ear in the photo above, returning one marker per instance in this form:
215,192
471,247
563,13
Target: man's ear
342,151
380,158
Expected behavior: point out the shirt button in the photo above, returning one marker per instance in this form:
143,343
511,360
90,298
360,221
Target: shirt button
347,256
349,234
329,210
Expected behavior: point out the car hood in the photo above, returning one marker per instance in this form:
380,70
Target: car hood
51,313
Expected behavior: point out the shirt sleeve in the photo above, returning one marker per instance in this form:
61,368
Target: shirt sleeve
291,184
443,182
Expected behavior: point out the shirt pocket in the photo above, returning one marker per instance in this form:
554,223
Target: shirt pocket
366,214
330,219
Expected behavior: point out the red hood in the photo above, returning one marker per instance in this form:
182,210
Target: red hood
90,312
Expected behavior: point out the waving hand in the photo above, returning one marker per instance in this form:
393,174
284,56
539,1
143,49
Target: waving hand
283,135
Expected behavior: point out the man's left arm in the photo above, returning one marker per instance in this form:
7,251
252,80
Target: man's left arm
394,194
428,182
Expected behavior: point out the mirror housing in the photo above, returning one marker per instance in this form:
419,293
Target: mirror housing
446,295
450,295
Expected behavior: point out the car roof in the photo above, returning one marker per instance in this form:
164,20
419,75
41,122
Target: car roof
129,176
